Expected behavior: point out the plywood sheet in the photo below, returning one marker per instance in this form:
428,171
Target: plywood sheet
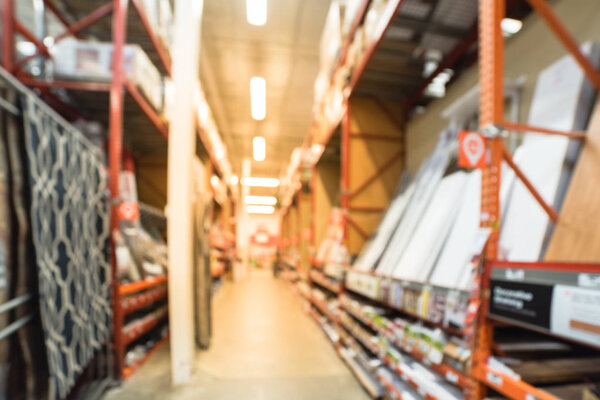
375,142
576,237
562,101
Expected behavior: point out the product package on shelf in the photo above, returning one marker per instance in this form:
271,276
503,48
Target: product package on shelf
140,351
165,23
440,305
331,39
356,50
160,16
351,8
85,60
140,254
332,255
414,351
397,388
378,15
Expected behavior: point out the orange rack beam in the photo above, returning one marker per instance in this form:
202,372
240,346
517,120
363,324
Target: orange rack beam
140,301
323,308
508,386
139,329
323,281
134,287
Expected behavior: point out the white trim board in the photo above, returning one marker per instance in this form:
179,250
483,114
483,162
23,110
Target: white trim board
428,238
430,175
375,247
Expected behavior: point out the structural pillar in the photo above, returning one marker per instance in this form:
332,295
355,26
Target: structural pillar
182,145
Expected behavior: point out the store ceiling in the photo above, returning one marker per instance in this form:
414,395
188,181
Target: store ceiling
284,52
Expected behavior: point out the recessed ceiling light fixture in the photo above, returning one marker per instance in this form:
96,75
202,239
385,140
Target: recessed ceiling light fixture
260,182
214,180
260,209
261,200
258,98
233,180
510,26
256,12
259,148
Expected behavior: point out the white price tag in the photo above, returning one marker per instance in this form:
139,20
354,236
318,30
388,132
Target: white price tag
494,379
514,274
451,377
436,356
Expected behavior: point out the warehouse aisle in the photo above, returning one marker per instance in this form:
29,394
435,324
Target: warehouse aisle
264,347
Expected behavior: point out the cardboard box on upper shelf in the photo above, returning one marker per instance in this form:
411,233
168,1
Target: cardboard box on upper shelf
92,61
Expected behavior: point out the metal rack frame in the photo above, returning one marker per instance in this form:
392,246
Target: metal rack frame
491,56
343,121
491,111
118,10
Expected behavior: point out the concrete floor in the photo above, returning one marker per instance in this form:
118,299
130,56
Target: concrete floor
264,347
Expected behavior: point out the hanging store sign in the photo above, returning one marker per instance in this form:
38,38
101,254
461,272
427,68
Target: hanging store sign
471,150
129,211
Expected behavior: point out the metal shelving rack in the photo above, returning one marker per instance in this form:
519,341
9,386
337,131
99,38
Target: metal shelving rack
358,84
342,125
487,32
151,290
491,78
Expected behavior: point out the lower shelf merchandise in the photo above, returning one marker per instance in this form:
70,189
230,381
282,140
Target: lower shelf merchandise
397,351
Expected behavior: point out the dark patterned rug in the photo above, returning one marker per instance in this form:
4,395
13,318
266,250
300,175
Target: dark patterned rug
70,226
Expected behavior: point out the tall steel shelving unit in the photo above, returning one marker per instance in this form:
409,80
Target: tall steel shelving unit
491,110
479,331
323,129
139,294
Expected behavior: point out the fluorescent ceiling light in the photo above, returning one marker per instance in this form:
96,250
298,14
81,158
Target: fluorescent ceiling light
258,98
261,200
256,12
214,180
234,180
260,209
259,145
510,26
260,182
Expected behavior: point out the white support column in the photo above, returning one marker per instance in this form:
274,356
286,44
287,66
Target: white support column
182,145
